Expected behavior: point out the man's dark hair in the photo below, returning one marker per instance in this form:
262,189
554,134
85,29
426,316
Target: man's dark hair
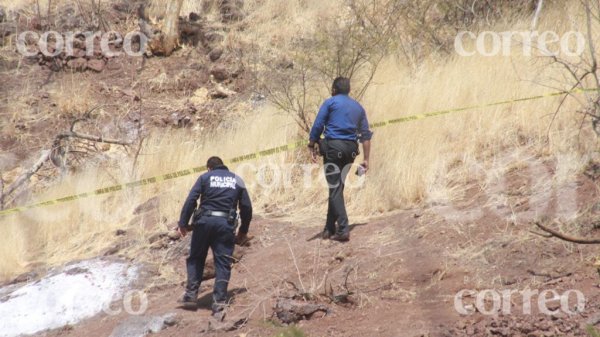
214,162
341,85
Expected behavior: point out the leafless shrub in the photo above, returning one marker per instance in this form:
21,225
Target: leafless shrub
581,72
352,45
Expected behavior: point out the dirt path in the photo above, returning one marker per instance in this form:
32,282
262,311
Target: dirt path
398,276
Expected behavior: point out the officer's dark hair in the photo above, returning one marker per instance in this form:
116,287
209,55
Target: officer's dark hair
214,162
341,85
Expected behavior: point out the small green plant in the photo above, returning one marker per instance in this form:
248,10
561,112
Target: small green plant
591,330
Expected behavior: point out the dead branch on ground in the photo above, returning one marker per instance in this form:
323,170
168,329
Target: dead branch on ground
25,176
566,237
57,154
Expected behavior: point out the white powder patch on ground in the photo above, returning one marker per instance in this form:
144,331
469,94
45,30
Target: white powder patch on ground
79,291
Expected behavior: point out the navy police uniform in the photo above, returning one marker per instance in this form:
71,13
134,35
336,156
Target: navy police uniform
221,193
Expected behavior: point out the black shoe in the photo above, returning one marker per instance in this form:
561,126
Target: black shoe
341,237
188,303
326,235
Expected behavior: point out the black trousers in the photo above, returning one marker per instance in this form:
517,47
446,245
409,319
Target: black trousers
338,156
218,234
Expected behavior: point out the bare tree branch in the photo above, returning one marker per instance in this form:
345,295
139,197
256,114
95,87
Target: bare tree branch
99,139
567,237
25,176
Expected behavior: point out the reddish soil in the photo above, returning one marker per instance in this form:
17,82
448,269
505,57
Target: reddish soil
398,276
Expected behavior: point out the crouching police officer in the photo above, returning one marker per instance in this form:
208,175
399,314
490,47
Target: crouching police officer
343,123
221,192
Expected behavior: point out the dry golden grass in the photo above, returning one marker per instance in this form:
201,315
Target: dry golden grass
412,162
30,8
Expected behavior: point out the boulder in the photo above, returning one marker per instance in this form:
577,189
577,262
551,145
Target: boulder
96,65
219,72
174,235
215,54
220,92
77,64
193,17
231,10
148,205
292,311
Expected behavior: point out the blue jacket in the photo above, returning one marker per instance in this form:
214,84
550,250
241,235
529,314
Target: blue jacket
341,117
218,190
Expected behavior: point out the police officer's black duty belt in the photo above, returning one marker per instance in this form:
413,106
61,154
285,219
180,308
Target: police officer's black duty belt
216,213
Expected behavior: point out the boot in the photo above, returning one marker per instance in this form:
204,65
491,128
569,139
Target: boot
326,235
341,237
188,303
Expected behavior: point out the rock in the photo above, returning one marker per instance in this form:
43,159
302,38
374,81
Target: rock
96,65
219,72
291,311
111,250
147,220
139,326
215,54
160,244
185,121
147,206
2,15
25,277
77,64
76,271
220,92
174,235
231,10
120,232
79,43
228,325
179,121
214,37
194,17
200,96
156,237
171,319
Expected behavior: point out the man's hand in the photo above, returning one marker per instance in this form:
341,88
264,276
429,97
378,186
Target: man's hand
366,154
182,231
313,151
365,165
242,239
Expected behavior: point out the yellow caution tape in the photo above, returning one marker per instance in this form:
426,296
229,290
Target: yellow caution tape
268,152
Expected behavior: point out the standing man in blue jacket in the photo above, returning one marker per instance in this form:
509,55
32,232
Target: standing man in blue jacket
343,123
221,193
